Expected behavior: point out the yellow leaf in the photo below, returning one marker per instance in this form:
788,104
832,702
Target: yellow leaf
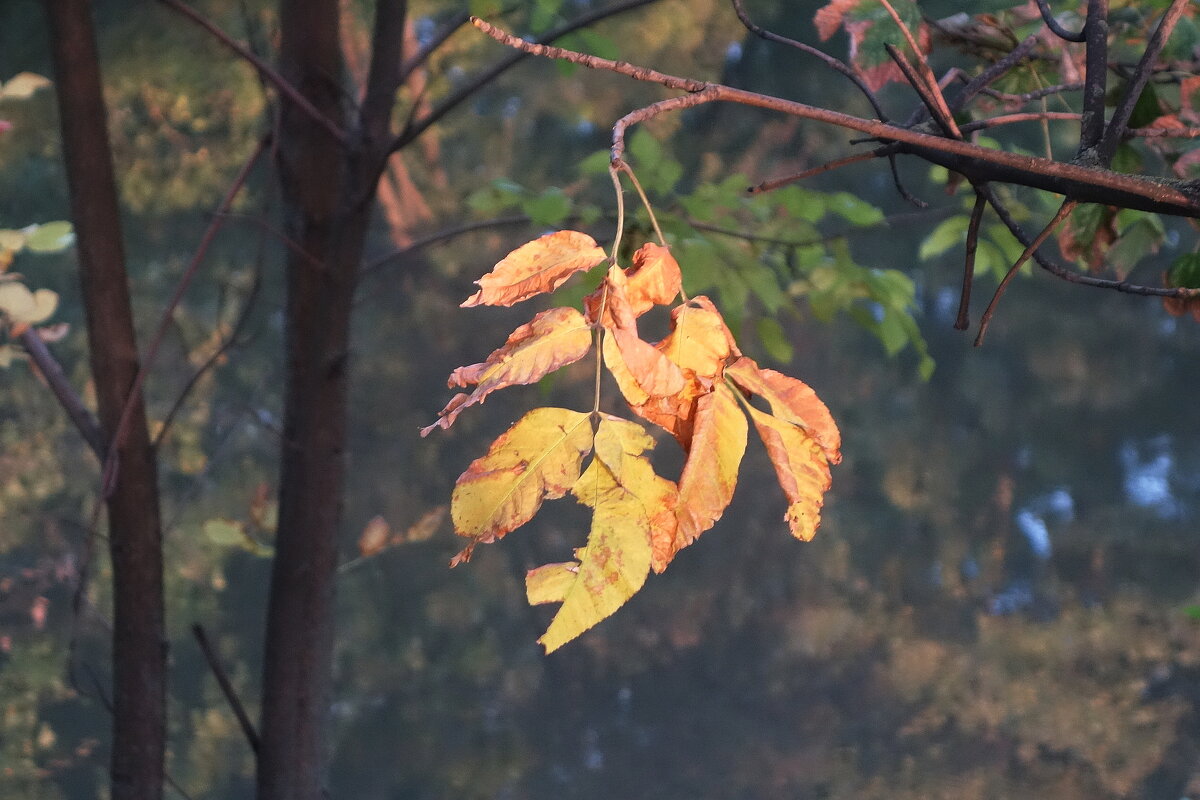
699,340
23,307
552,339
802,469
627,499
710,474
536,267
791,400
549,583
423,529
538,458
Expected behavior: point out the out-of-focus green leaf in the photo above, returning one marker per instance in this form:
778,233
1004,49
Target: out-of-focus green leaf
774,340
1185,271
949,233
50,237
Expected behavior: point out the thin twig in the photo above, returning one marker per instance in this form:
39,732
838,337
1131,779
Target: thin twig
447,30
828,166
83,419
227,689
933,99
452,101
1063,211
1115,131
226,345
1054,26
110,463
993,73
1038,94
441,236
1024,116
927,77
963,321
833,63
637,186
264,69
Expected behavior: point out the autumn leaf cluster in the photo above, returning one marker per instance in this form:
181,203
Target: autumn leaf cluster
695,384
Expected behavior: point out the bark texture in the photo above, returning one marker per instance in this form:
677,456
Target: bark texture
135,536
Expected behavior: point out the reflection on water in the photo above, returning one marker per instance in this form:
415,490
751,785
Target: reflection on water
1148,470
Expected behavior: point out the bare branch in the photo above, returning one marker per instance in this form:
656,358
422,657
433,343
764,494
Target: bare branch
384,74
775,183
414,62
933,99
1087,184
1054,26
67,397
440,236
449,103
1063,211
1027,116
963,321
993,73
1095,83
268,72
1038,94
1115,131
110,462
227,689
833,63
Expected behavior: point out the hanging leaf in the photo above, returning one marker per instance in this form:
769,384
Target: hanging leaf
699,340
655,278
552,339
536,267
711,471
23,307
627,498
374,538
792,401
538,458
802,469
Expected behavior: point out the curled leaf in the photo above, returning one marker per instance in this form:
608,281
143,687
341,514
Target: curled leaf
23,307
536,267
802,469
552,339
792,401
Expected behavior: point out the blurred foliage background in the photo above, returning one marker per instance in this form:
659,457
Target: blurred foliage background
999,602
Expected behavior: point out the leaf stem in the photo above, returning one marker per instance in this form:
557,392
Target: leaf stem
628,170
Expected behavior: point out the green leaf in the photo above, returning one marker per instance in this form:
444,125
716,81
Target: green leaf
549,208
50,237
949,233
853,209
1185,271
774,340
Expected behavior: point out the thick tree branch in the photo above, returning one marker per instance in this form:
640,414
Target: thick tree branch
1095,83
384,74
1087,184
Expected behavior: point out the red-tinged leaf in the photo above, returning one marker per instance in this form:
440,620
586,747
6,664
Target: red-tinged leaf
641,371
626,498
710,473
374,538
802,469
537,459
791,400
655,278
552,339
699,340
830,17
536,267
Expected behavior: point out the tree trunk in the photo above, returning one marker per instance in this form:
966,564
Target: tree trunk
135,536
327,188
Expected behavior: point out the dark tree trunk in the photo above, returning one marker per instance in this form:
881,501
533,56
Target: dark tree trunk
135,536
328,187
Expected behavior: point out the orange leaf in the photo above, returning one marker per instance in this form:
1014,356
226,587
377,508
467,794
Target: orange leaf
792,401
538,458
552,339
699,340
536,267
374,537
641,371
710,473
655,278
802,469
